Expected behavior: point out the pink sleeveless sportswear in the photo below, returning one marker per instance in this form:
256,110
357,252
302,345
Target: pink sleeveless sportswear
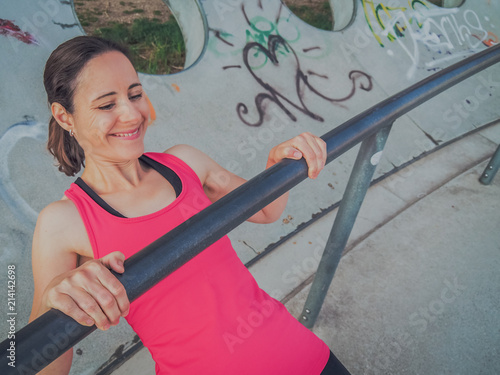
209,316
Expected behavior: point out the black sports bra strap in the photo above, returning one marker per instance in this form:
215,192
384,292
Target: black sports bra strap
92,194
165,171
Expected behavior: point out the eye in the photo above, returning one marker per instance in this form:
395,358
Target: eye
136,97
107,107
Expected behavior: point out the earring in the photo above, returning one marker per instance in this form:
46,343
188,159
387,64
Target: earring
71,133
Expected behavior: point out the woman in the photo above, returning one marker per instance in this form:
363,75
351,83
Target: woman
209,316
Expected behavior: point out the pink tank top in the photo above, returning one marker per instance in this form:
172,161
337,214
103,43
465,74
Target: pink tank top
209,316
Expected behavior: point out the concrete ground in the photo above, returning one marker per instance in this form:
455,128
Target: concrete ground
416,291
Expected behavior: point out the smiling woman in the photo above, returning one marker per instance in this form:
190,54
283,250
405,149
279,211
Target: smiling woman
67,142
126,199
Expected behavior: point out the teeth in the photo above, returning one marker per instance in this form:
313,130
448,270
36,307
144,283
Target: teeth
126,134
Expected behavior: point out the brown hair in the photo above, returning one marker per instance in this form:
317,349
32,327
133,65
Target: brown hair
59,78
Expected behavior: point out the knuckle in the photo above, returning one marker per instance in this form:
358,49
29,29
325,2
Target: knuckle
90,306
106,300
93,266
78,278
117,289
300,138
65,284
66,307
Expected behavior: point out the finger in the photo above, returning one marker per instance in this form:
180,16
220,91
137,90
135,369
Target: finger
81,306
119,305
312,152
114,261
88,304
119,294
107,303
68,306
324,152
290,152
318,145
86,289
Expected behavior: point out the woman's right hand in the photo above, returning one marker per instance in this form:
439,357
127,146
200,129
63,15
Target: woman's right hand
90,293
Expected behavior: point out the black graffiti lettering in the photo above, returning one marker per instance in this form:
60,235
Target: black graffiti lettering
305,50
231,66
218,36
301,82
311,73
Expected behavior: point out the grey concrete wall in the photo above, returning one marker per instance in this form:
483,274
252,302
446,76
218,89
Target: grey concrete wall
212,105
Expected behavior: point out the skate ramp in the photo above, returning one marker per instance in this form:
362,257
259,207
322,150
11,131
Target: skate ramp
255,75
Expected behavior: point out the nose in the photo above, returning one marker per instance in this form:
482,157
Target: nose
129,113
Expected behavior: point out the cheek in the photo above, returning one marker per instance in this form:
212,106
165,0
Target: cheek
144,109
101,123
94,128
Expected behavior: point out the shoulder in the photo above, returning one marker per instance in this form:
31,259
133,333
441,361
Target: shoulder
58,212
187,153
59,226
196,159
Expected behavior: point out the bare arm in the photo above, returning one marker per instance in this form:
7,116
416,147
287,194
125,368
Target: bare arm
217,181
90,293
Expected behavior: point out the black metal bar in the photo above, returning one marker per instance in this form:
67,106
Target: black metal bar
491,169
355,192
39,342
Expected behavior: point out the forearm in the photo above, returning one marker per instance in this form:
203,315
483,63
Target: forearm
271,212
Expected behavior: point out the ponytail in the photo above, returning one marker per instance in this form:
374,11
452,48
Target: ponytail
66,150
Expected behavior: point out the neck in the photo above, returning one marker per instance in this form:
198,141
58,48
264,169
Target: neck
106,177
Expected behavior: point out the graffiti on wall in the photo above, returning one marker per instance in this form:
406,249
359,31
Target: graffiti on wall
276,43
9,28
268,53
259,28
429,35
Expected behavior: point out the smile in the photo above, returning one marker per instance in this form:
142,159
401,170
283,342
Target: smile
126,134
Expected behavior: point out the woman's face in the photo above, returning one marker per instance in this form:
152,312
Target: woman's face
111,112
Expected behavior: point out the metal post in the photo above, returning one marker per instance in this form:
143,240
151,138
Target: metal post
491,169
359,181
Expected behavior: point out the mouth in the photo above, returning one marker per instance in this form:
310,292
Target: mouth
126,135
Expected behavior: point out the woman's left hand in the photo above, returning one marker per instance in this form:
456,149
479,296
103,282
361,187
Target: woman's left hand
305,145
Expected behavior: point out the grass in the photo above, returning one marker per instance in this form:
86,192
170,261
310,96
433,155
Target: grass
156,48
320,17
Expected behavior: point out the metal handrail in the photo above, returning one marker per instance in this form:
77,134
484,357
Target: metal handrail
53,333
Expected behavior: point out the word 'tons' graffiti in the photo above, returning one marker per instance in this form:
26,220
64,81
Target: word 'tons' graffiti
358,79
9,28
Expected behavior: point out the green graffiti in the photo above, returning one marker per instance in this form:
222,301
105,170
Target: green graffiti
259,30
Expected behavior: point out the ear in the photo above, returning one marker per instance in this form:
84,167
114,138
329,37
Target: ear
63,118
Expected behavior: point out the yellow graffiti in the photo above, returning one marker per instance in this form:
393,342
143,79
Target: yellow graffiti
371,10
